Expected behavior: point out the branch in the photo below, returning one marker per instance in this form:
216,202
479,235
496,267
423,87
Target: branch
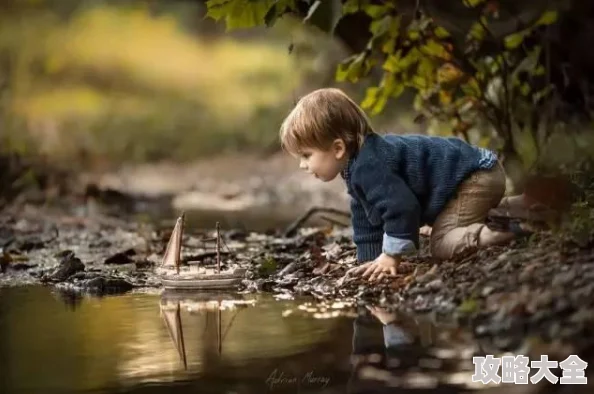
290,231
505,71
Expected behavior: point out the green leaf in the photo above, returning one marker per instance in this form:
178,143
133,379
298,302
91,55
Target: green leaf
540,70
353,6
412,57
440,32
419,82
239,13
279,8
477,31
392,63
380,104
218,9
268,266
468,306
397,90
525,145
414,35
434,48
376,11
353,68
427,69
471,88
389,45
472,3
370,97
380,27
548,18
514,40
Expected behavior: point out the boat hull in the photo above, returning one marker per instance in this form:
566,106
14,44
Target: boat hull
207,282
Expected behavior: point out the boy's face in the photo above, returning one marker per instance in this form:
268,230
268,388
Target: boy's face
324,164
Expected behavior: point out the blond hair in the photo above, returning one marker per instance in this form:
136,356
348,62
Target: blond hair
322,116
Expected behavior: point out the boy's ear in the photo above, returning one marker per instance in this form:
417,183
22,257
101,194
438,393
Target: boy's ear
339,148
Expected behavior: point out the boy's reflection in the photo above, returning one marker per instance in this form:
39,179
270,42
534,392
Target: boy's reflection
386,347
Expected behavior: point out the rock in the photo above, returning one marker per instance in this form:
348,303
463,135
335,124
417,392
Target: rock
582,316
22,266
289,268
6,237
564,278
121,258
104,285
144,265
487,290
436,284
68,266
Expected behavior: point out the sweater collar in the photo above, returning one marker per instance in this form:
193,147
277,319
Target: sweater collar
346,172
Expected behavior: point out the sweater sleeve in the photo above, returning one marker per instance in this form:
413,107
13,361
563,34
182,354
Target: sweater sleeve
367,237
397,206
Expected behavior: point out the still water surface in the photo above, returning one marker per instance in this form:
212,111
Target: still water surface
164,343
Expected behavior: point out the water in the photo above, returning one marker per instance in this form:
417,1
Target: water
54,343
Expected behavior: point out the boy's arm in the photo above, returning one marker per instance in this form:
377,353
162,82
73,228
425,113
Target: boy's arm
367,237
398,207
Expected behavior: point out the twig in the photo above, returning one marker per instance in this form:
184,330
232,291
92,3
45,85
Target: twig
505,71
333,221
290,231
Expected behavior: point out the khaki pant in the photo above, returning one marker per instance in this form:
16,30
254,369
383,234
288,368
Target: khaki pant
457,228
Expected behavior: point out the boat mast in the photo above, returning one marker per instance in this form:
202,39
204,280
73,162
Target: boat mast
181,335
218,227
219,336
178,250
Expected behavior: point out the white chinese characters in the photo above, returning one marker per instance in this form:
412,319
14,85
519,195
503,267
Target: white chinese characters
517,370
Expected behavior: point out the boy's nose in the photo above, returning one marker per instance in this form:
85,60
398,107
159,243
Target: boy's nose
303,165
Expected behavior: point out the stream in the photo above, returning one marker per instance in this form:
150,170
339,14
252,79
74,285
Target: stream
52,342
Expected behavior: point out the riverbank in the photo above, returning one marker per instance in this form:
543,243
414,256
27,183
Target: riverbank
538,288
232,183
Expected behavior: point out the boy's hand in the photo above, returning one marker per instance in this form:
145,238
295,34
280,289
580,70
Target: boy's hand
382,315
377,269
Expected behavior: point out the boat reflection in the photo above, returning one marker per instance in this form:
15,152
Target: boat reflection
212,305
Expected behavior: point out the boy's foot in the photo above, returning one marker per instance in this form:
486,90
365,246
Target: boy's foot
537,213
516,226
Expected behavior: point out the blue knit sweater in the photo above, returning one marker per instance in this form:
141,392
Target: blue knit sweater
398,183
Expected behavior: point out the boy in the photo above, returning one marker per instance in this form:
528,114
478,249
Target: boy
397,183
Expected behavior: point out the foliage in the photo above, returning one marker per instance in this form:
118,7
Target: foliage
481,72
123,83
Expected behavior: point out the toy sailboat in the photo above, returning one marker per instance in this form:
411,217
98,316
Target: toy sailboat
192,279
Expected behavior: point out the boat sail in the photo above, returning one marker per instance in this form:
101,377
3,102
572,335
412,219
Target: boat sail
172,318
172,256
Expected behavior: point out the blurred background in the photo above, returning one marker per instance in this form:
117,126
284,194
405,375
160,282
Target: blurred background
141,81
110,99
152,97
